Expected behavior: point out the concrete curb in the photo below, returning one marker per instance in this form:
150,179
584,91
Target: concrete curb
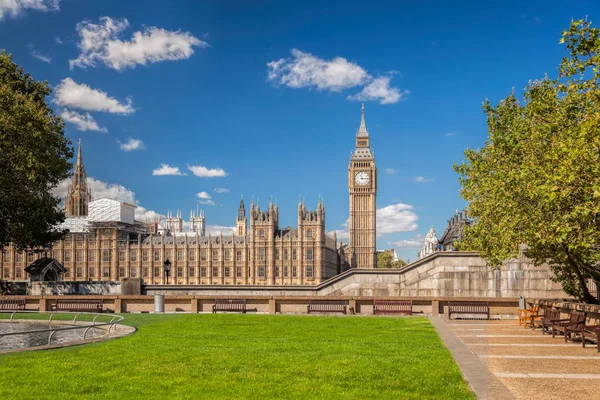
484,384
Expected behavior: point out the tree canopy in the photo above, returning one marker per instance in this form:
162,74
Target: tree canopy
386,260
536,182
34,158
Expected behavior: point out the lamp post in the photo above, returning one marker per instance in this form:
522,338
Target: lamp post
167,266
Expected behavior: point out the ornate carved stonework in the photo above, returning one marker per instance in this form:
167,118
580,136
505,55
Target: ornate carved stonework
78,196
431,243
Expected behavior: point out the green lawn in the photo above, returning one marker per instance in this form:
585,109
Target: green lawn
245,356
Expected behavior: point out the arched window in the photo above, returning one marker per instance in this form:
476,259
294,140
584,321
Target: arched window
261,233
309,233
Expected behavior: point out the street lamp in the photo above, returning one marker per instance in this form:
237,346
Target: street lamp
167,266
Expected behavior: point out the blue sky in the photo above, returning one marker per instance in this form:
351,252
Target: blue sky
266,97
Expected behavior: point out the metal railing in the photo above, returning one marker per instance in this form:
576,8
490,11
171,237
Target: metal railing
112,324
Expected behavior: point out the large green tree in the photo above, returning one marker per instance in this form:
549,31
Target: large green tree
34,158
535,185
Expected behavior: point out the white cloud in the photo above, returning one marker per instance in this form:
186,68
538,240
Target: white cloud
13,8
71,94
379,90
340,234
305,70
58,40
415,243
208,202
396,218
144,215
39,56
393,218
131,144
99,189
204,172
166,169
390,171
83,122
100,43
421,179
218,229
221,190
203,195
452,134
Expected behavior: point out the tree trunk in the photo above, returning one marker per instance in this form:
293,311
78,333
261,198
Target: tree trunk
586,295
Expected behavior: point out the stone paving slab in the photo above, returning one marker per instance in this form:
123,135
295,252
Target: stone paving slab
508,340
527,366
484,383
531,365
553,389
511,350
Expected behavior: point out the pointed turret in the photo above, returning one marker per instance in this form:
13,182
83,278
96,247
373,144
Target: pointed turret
241,211
78,197
240,222
363,150
362,129
79,156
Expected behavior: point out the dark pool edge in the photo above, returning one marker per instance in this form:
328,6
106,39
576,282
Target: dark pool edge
120,332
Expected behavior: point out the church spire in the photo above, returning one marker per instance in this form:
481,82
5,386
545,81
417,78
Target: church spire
79,158
362,129
78,197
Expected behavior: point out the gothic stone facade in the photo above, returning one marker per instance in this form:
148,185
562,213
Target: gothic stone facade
265,255
258,253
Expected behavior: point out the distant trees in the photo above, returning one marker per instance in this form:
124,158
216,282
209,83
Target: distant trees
386,260
537,179
34,158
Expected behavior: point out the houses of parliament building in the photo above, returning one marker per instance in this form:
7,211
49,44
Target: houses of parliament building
106,243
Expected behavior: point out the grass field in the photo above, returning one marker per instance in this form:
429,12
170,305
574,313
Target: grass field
191,356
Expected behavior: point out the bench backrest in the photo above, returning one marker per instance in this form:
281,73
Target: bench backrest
393,302
469,307
79,304
11,304
324,303
230,301
577,318
552,314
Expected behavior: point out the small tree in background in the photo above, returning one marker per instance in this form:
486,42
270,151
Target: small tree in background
386,260
34,158
537,179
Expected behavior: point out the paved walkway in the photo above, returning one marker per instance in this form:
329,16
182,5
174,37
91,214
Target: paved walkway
502,360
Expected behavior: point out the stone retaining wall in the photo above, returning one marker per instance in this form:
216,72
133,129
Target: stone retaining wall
499,308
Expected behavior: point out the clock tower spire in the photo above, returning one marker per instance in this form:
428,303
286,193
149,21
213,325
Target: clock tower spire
362,188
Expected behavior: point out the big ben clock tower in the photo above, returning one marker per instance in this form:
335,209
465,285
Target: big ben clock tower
362,187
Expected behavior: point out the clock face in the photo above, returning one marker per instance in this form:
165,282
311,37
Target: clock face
362,178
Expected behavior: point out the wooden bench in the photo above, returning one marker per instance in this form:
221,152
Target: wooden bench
526,314
12,304
591,332
328,306
575,321
78,305
545,321
470,310
392,307
232,305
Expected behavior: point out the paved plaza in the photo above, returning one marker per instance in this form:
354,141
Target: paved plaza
521,363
